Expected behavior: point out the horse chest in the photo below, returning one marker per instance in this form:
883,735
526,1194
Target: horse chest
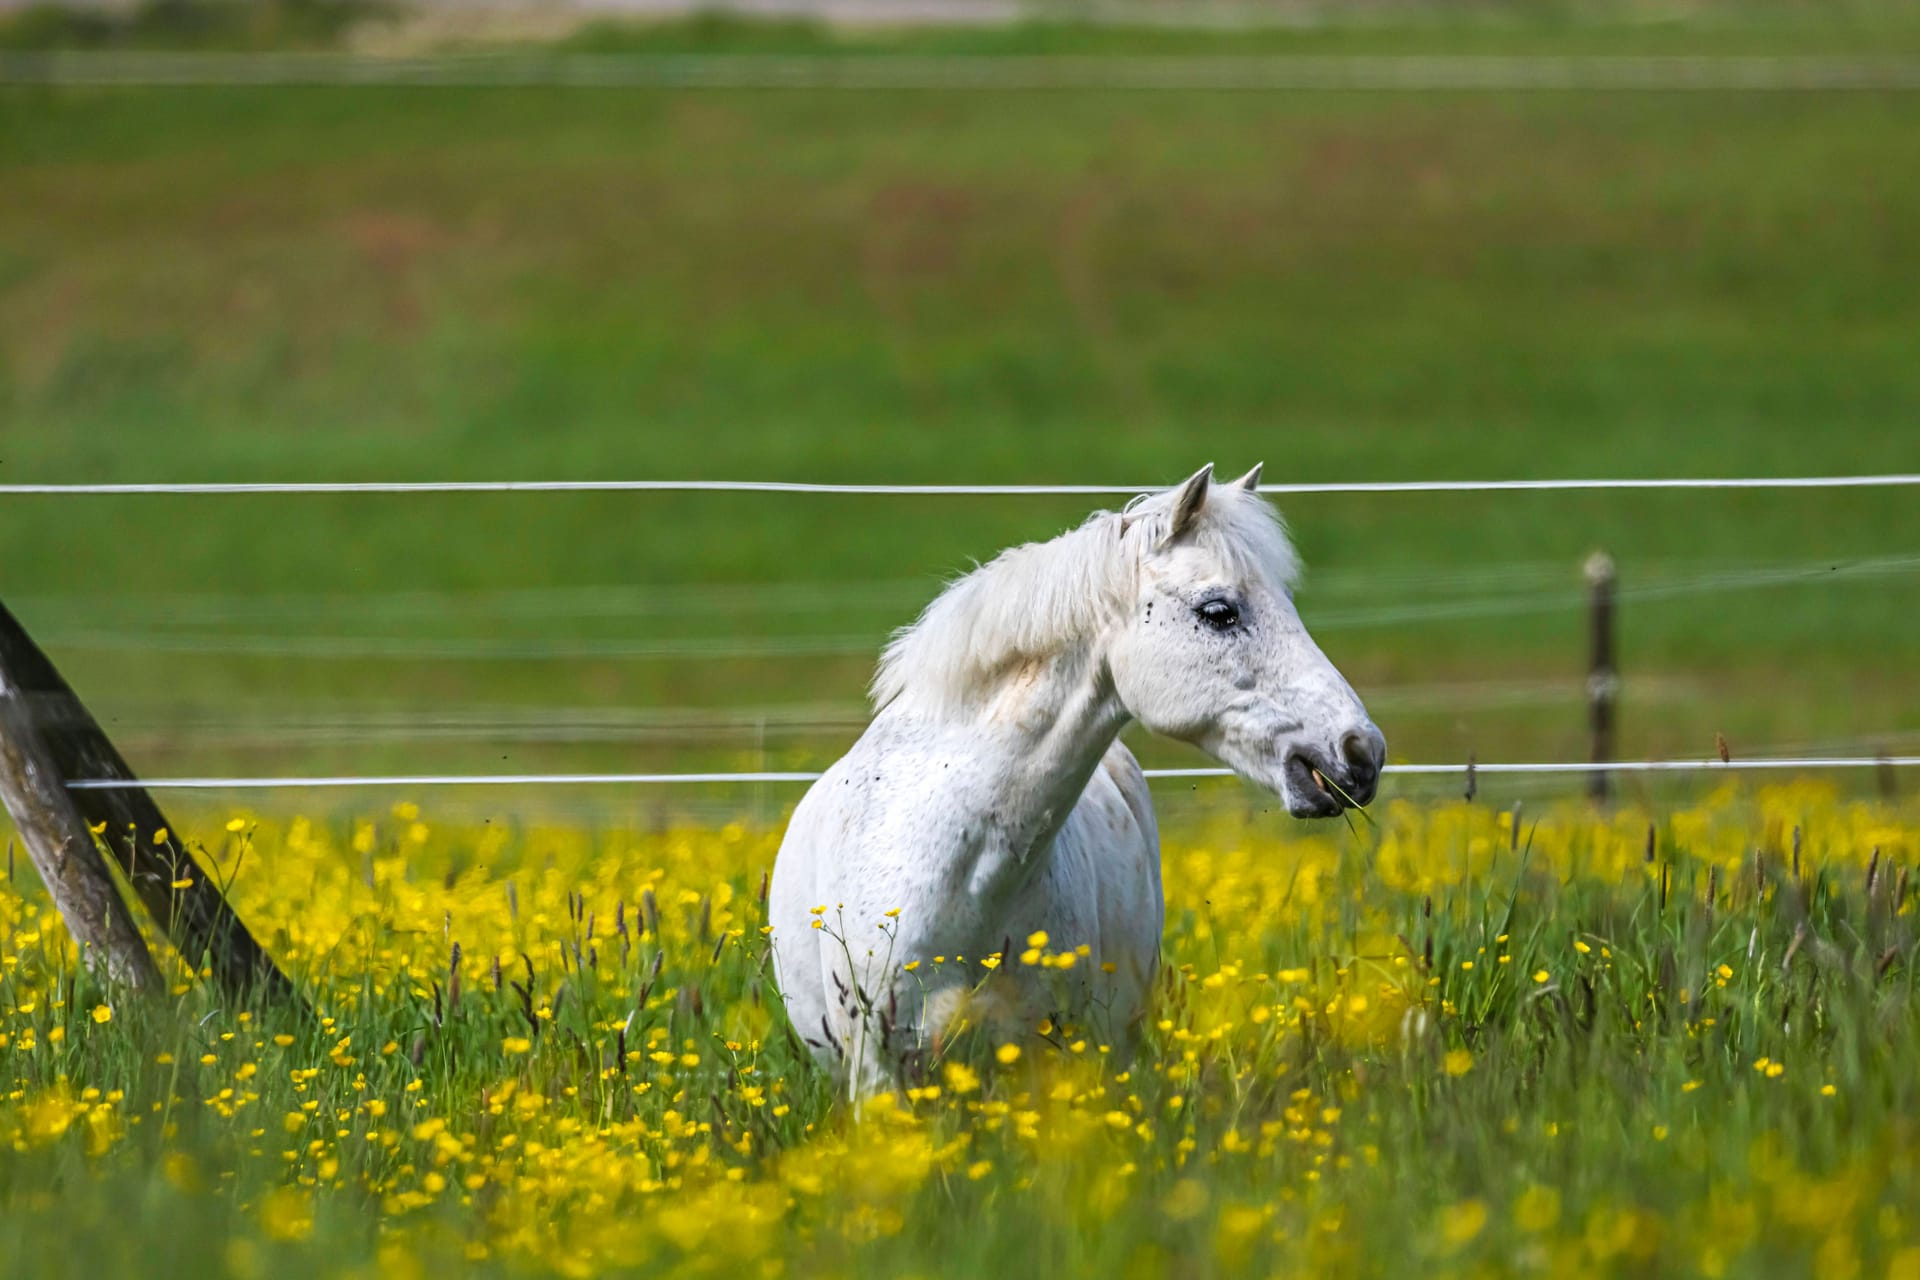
1004,880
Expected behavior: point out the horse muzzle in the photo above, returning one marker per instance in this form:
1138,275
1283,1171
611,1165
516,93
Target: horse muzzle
1321,786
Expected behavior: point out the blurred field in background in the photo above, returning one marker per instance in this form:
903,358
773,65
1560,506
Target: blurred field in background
274,283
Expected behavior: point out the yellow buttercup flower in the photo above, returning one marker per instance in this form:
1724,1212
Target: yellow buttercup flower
1461,1222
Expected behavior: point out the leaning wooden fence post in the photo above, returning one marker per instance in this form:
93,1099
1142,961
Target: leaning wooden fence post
63,851
1603,681
182,898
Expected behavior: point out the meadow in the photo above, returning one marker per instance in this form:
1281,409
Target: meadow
1673,1037
1457,1039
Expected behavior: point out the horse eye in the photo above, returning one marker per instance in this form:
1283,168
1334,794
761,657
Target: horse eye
1218,614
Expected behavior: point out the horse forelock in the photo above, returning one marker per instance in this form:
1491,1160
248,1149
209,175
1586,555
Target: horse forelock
1041,598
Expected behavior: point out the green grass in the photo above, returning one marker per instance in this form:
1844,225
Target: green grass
1438,1044
359,284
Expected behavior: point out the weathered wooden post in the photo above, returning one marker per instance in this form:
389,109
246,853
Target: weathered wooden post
1603,681
149,851
63,851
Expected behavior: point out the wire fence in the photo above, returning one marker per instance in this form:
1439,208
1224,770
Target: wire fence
997,73
289,488
767,726
162,630
1741,578
1481,582
339,781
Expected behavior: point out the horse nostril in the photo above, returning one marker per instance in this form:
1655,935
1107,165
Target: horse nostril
1364,752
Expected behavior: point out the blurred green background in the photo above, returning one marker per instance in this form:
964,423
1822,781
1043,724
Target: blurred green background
275,283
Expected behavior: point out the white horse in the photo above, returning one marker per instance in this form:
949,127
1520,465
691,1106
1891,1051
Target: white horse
991,799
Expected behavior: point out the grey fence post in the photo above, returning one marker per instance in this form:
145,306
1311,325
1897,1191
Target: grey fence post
1603,680
177,893
62,850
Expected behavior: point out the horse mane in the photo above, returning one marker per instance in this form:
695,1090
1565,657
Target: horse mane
1040,598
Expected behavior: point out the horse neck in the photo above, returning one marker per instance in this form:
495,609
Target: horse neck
1039,723
1049,722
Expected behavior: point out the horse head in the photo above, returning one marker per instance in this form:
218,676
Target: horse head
1213,652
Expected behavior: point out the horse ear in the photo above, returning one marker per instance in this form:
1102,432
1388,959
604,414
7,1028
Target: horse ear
1250,481
1187,503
